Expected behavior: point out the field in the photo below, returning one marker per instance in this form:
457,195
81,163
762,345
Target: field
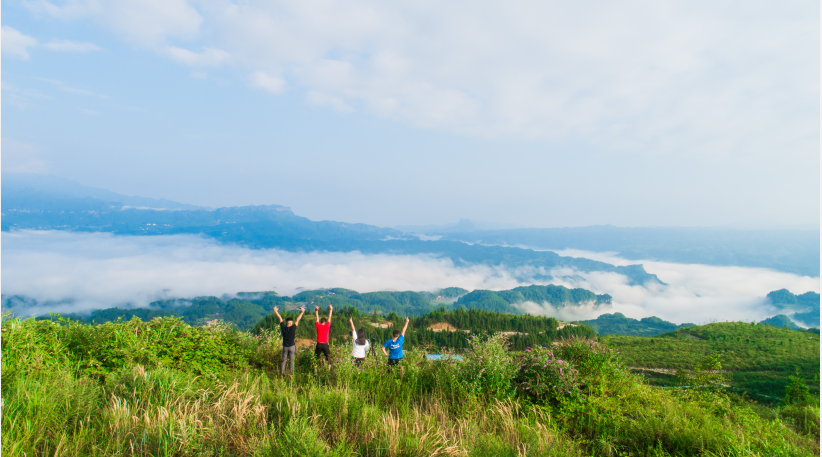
165,388
757,359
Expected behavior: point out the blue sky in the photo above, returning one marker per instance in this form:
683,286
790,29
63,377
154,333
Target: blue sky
534,113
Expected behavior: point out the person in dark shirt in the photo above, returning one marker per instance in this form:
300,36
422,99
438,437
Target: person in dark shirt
289,331
323,328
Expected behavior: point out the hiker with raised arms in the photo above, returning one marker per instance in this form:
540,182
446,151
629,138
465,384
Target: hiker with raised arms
323,328
394,346
289,332
361,343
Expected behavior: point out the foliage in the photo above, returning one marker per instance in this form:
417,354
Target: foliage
805,306
545,378
757,359
618,324
503,301
53,404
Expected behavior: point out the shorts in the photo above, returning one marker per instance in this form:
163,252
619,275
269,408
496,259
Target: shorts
394,361
322,348
358,360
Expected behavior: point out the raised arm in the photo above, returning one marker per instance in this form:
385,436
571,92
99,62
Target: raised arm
317,312
302,311
405,327
330,312
351,321
278,314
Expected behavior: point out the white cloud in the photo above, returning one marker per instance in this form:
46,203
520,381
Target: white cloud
15,44
100,270
71,46
695,293
321,99
146,22
693,78
267,82
209,57
19,157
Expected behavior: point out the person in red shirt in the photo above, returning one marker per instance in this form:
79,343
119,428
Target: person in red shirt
323,328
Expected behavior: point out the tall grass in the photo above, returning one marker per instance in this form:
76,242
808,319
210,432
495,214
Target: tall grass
164,388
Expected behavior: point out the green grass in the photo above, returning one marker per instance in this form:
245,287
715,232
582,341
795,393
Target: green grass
164,388
758,359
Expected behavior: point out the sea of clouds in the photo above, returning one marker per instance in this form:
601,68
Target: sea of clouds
100,270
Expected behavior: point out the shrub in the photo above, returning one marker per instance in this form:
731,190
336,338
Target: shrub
488,367
543,377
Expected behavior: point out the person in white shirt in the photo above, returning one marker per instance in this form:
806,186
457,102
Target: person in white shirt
361,344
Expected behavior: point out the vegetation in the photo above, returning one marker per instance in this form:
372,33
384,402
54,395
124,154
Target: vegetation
780,320
557,296
248,308
522,331
758,360
805,307
618,324
165,388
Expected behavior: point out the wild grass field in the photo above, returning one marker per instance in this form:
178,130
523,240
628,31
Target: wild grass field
757,359
165,388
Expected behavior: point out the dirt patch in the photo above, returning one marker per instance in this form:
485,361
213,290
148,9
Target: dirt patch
513,333
303,342
381,324
562,325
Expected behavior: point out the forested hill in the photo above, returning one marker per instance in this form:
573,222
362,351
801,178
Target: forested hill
277,227
557,296
438,329
803,308
619,324
247,308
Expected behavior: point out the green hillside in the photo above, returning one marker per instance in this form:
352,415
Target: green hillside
164,388
803,308
523,331
759,359
503,301
618,324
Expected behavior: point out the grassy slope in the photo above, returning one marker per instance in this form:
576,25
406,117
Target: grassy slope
759,358
164,388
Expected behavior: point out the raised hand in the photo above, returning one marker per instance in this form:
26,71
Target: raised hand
316,307
351,319
276,309
302,308
406,318
330,306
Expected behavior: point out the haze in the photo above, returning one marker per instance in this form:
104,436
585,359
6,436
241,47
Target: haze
528,113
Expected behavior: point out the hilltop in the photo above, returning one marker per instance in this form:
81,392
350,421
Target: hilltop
166,388
759,359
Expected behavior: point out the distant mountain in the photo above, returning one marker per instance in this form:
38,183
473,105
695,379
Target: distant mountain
618,324
804,307
781,320
464,225
247,308
504,301
61,189
793,251
275,226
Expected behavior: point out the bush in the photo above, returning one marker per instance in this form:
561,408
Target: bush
543,377
489,367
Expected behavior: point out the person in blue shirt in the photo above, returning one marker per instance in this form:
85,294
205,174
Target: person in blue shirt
394,346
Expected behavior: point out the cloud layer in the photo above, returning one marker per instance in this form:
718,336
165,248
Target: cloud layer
99,270
697,77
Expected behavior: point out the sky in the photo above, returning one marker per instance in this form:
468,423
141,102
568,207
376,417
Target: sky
535,113
101,270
